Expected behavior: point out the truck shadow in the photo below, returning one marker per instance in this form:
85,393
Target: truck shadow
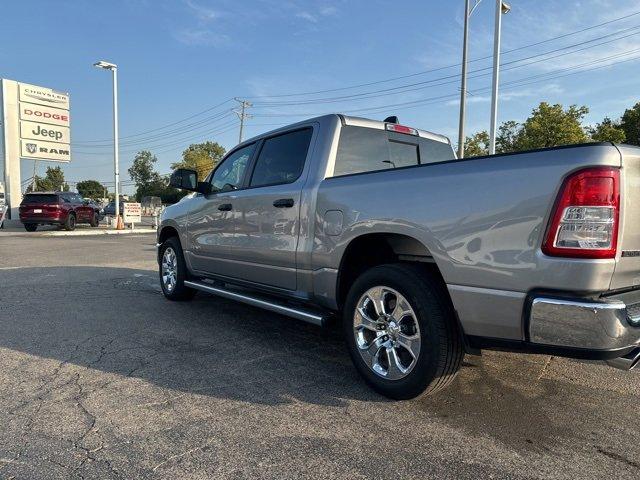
115,320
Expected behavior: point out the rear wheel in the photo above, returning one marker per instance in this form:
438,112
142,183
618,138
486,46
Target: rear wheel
173,271
30,227
70,223
401,331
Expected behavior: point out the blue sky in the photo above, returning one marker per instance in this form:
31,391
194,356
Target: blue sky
178,58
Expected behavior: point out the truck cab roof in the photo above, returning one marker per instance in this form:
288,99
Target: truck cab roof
353,121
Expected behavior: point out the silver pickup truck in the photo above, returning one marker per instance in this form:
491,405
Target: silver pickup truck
424,256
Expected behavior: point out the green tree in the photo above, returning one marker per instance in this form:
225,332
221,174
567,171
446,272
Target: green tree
90,189
52,181
148,181
507,137
607,131
551,126
630,123
201,157
477,144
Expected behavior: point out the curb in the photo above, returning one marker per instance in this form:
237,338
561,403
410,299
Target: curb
86,233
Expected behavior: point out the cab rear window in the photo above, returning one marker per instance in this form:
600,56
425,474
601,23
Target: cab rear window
39,198
367,150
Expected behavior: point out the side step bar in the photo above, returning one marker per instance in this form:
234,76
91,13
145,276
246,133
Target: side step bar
306,315
629,361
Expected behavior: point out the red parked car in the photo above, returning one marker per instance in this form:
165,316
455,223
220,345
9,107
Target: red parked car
65,209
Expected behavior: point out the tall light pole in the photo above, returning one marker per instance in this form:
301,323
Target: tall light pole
463,86
116,164
502,8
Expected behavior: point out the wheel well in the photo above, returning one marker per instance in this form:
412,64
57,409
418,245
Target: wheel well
374,249
167,232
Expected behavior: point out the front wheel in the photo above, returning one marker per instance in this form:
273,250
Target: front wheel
95,220
173,271
401,331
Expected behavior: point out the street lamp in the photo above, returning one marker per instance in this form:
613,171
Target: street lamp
116,167
502,8
505,8
463,86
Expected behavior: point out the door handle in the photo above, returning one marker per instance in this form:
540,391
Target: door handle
225,207
283,203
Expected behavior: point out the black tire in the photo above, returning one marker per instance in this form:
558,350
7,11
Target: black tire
441,349
70,222
30,227
95,221
179,292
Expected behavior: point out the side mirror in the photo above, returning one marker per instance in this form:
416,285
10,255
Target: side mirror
184,179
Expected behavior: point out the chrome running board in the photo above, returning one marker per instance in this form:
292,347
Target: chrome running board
629,361
301,313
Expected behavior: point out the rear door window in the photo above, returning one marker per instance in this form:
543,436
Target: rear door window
367,149
282,158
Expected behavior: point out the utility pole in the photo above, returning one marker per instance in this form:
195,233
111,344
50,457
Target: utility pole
33,181
242,115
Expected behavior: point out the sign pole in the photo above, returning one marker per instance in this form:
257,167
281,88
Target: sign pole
11,147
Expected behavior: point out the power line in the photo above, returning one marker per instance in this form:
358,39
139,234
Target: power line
185,136
505,52
454,77
424,72
173,143
164,126
155,138
551,75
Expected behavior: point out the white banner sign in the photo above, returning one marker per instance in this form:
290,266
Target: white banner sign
42,131
58,152
43,96
132,213
39,113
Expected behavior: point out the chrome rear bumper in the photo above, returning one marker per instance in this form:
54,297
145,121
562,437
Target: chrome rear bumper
609,325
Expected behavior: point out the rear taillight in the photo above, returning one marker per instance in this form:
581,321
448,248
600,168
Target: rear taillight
584,222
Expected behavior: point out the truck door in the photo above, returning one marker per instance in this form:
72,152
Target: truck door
269,210
212,225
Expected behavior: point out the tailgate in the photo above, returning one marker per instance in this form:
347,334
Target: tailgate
627,271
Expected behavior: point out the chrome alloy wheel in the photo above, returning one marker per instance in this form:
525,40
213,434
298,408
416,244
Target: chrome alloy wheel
169,269
387,332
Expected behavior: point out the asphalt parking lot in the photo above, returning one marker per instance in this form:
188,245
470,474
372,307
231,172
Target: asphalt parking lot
100,377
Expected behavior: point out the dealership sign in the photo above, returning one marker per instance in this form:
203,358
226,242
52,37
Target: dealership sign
40,113
44,119
36,149
43,96
35,124
43,131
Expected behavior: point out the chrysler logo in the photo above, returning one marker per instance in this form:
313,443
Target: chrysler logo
32,147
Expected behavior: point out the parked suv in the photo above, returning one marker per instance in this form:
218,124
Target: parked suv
65,209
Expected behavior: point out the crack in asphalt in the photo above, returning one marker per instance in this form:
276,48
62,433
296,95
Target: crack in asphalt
619,458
